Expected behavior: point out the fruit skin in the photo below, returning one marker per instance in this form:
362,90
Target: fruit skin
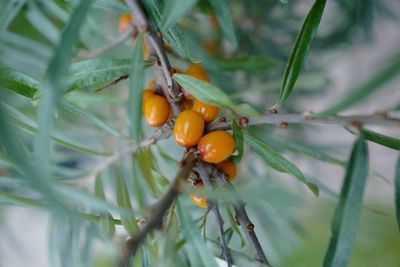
229,168
195,68
199,200
150,84
216,146
189,127
187,103
156,110
208,112
145,96
123,23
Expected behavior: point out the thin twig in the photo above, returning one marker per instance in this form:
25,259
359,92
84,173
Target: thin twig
130,32
205,174
156,53
241,214
115,82
163,205
278,119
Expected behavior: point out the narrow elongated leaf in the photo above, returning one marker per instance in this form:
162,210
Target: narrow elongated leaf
174,10
276,161
69,106
348,210
204,91
233,224
18,82
397,193
41,22
238,137
107,225
123,200
8,13
250,63
145,162
135,90
55,84
221,9
200,254
111,4
381,139
300,50
145,259
358,94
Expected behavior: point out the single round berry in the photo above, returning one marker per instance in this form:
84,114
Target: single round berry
208,112
156,110
124,22
145,96
216,146
199,200
229,168
195,68
187,103
189,127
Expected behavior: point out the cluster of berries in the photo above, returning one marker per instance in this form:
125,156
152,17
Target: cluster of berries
214,147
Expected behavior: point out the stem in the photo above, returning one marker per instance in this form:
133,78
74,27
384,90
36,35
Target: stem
115,82
162,206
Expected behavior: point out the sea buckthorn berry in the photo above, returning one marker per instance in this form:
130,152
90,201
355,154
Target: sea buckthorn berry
145,96
156,110
187,103
216,146
229,168
195,68
199,200
124,21
208,112
189,127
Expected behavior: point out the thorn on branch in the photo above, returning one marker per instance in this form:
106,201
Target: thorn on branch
274,111
250,227
243,122
283,125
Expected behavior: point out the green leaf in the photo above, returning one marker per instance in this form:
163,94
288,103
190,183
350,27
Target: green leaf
358,94
238,137
245,110
250,63
135,90
55,84
233,224
348,210
145,259
276,161
123,200
397,193
173,36
200,254
204,91
381,139
300,50
107,224
18,82
174,10
74,109
221,9
145,161
8,13
111,4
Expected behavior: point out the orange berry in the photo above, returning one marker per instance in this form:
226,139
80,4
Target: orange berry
124,21
199,200
189,127
208,112
195,68
228,167
167,47
178,70
216,146
145,96
187,103
156,110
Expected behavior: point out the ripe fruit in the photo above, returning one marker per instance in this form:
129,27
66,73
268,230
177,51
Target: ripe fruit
124,21
156,110
216,146
195,68
187,103
228,167
189,127
199,200
208,112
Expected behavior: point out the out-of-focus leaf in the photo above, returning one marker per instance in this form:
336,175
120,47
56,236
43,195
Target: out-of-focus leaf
174,10
397,193
358,94
107,225
204,91
8,13
300,50
111,4
83,98
18,82
276,161
145,259
74,109
381,139
238,137
233,224
228,233
135,90
123,200
146,165
173,36
41,22
348,210
250,63
200,254
221,9
245,110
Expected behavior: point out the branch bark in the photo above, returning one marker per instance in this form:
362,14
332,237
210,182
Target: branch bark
162,206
